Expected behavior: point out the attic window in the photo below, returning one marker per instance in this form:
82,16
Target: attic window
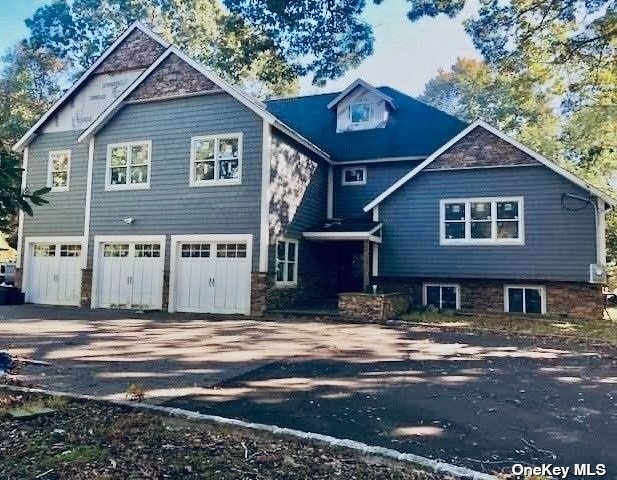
360,112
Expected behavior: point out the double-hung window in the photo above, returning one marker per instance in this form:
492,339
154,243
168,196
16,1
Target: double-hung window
524,299
442,296
482,221
59,170
286,262
128,165
216,159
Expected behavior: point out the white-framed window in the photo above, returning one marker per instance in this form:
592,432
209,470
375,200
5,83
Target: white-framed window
216,159
353,176
444,296
128,165
482,221
286,262
524,299
59,170
360,112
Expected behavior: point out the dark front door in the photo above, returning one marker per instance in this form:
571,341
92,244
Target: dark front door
349,267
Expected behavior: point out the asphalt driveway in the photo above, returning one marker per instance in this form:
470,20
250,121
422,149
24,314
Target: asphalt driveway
483,401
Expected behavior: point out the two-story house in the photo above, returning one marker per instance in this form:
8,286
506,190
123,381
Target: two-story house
171,189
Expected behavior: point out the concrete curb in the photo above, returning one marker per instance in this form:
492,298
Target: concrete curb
433,465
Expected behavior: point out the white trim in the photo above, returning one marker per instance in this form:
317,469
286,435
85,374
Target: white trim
264,224
64,188
375,259
20,228
506,298
382,159
29,241
216,181
285,282
601,232
468,241
376,213
330,205
27,136
127,186
479,123
84,248
96,255
343,235
361,83
164,98
456,286
115,105
359,182
175,240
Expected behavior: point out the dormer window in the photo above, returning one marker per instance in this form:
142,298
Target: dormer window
360,112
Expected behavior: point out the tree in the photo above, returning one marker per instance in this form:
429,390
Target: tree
323,38
78,32
471,89
27,85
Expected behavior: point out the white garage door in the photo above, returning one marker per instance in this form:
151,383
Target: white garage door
213,277
54,274
130,275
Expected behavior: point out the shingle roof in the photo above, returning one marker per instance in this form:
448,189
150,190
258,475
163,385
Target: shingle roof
413,129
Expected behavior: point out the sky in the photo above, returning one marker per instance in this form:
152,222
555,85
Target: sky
406,55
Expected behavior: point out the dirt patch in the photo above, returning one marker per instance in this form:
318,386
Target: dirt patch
87,440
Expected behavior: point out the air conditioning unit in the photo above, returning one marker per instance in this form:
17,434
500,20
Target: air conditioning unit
597,273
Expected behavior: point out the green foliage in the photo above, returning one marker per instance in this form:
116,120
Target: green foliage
79,31
316,37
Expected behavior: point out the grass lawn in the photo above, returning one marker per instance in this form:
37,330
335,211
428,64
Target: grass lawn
601,331
89,440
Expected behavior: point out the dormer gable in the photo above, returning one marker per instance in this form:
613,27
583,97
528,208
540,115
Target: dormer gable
361,107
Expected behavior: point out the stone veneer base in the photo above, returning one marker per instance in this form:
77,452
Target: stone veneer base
372,308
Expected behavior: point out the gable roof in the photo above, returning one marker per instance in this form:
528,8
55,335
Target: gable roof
248,101
367,86
27,137
414,130
481,124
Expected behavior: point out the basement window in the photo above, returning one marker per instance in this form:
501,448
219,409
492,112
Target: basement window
442,296
524,299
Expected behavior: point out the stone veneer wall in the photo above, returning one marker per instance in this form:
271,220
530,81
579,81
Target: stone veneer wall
572,299
371,308
86,287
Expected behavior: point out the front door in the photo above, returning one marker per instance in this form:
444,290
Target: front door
349,263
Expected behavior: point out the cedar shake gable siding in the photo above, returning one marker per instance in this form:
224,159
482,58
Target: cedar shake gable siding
173,77
481,148
137,51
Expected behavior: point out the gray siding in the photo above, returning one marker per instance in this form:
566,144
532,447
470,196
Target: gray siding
350,199
170,206
559,244
64,215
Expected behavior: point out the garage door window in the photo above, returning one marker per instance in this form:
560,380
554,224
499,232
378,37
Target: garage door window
195,250
231,250
70,250
147,250
44,250
116,250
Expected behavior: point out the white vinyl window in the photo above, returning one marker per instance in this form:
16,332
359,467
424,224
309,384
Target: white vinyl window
216,159
524,299
353,176
128,165
59,170
482,221
442,296
360,112
286,262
